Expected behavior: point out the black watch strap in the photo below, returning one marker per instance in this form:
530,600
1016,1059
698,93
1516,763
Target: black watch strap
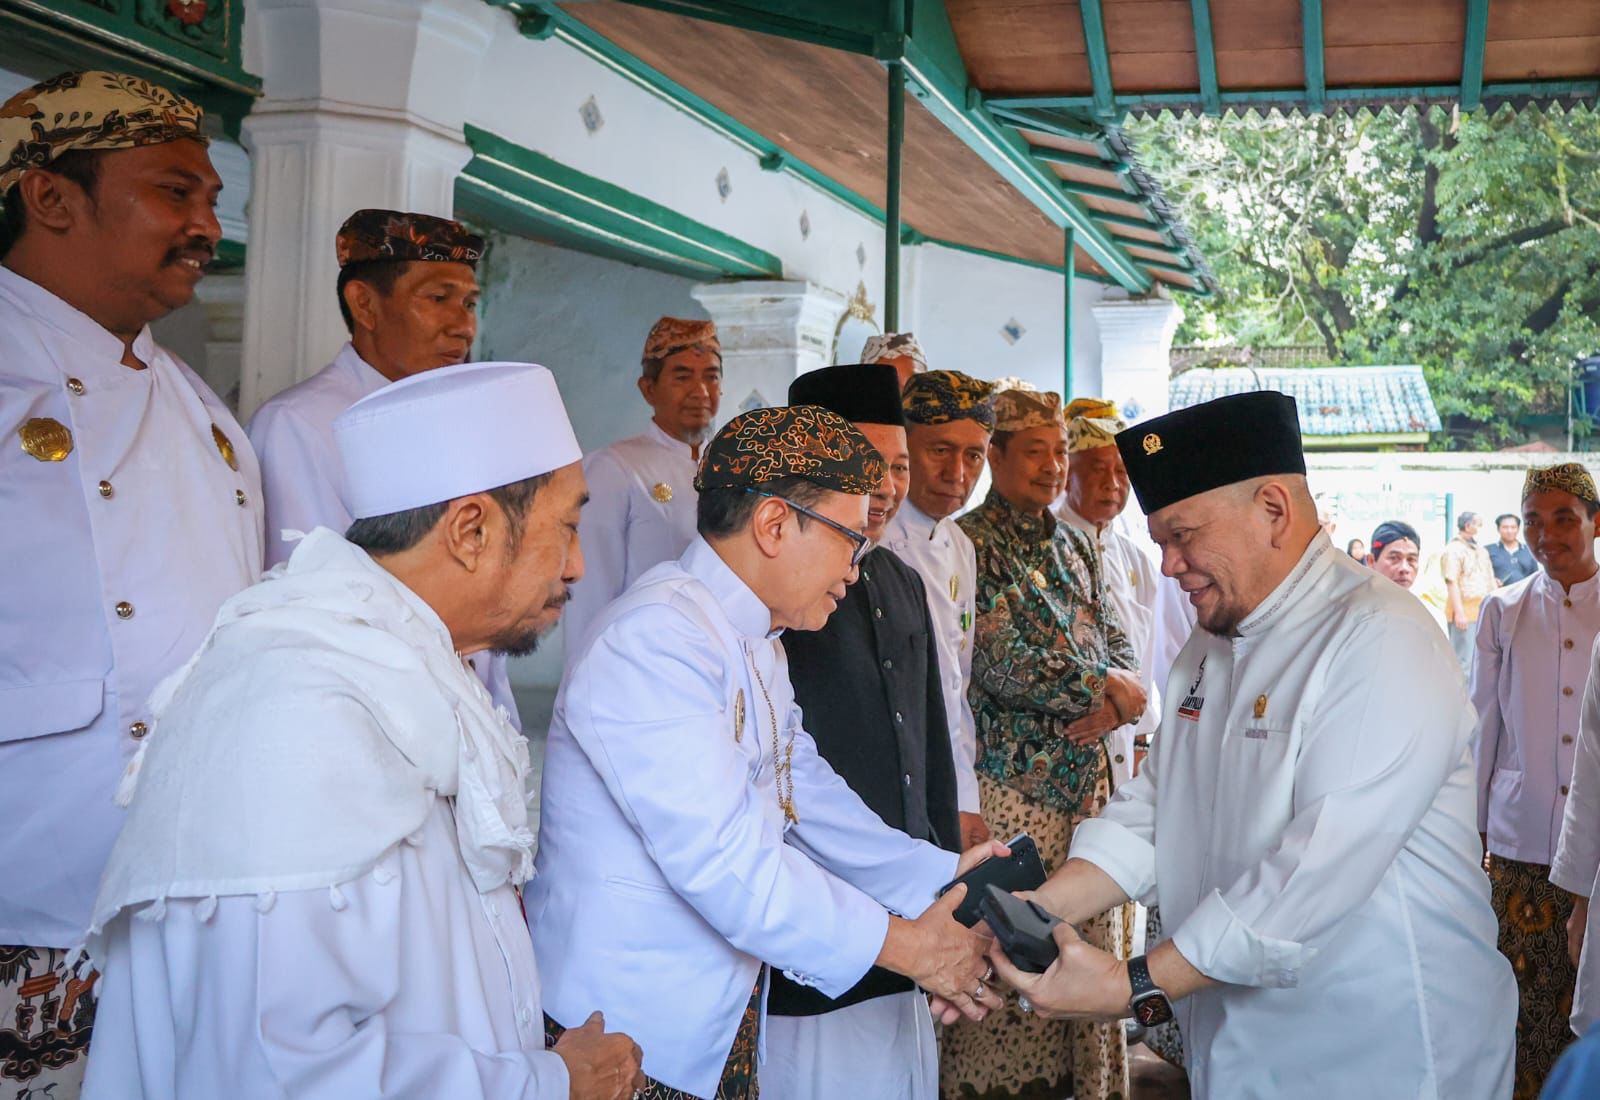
1139,975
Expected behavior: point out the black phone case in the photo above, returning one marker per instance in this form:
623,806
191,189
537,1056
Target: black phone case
1021,870
1022,929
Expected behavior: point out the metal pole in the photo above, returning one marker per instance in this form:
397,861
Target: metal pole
891,205
1069,269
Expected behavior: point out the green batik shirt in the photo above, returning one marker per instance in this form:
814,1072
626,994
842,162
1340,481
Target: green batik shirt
1046,637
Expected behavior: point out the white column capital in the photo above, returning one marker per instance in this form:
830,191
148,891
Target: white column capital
771,332
1135,343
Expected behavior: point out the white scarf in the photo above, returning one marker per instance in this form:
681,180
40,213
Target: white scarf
310,734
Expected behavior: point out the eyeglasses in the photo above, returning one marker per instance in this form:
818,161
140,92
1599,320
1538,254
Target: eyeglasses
861,542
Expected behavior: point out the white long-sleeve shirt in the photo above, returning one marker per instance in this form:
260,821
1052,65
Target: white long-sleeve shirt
405,983
116,556
942,553
1528,673
1306,822
1132,581
667,873
303,476
1576,865
641,512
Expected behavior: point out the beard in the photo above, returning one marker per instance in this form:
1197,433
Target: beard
524,641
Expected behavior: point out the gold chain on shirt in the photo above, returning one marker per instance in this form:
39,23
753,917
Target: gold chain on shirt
782,763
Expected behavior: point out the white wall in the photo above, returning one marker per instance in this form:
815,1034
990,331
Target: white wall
960,302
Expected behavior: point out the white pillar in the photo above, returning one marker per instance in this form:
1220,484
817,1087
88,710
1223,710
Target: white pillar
771,332
1135,341
364,104
222,298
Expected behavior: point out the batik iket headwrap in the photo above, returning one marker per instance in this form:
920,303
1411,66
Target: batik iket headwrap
806,441
940,396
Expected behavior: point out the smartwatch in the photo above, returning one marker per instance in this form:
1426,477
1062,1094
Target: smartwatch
1148,1004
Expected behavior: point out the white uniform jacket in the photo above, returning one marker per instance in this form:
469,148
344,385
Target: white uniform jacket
1306,822
303,476
666,872
641,512
1132,580
124,529
1528,673
943,554
1576,865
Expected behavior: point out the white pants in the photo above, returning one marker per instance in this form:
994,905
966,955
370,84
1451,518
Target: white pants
882,1049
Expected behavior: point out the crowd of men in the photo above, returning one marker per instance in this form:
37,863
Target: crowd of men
808,682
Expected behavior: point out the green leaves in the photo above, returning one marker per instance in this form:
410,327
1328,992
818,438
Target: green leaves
1467,243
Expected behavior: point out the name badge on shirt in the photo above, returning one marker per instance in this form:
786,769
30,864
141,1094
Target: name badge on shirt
1192,701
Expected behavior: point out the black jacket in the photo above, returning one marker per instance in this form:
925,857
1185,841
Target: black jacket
868,684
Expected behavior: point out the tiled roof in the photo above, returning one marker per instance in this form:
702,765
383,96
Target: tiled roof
1333,401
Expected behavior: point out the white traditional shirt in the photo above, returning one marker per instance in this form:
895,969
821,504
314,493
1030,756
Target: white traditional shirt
126,526
1132,580
641,512
1532,660
315,893
1306,821
1576,865
942,553
667,873
303,476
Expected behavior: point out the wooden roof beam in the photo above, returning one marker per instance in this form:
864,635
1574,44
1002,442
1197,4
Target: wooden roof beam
1311,44
1205,57
1094,41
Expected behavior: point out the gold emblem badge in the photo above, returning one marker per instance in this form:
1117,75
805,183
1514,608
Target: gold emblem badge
738,716
1037,578
955,588
224,447
661,492
1152,443
1261,706
46,439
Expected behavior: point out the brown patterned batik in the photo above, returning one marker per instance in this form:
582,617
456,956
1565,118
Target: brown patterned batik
1533,935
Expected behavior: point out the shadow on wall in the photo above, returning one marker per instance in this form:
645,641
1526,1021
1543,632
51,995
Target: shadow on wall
586,319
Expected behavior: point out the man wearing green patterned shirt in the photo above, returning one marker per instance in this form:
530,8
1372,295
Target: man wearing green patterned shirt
1052,675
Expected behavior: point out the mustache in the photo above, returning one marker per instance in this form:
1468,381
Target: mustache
556,603
193,248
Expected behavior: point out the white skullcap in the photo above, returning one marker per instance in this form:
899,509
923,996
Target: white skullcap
451,432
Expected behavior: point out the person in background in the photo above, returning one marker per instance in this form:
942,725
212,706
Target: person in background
1468,578
130,501
1395,547
1356,549
1508,555
898,349
641,489
1533,645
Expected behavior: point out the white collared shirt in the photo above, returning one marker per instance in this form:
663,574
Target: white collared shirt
1306,819
667,873
943,554
1133,582
303,475
116,560
641,512
301,471
1528,674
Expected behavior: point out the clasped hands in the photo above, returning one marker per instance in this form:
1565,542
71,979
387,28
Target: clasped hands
1123,702
1083,983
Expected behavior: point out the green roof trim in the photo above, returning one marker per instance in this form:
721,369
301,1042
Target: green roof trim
526,192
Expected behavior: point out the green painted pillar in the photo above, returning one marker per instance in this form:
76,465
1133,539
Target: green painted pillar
1069,266
891,204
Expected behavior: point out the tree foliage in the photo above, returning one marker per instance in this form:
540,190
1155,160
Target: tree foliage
1467,243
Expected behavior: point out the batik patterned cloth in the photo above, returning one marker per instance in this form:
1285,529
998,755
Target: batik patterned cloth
1533,935
1046,637
738,1073
894,345
940,396
674,334
88,110
46,1015
1564,477
1017,410
372,235
1015,1055
806,441
1092,422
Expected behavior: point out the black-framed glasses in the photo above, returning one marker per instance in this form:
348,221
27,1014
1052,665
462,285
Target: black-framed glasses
861,543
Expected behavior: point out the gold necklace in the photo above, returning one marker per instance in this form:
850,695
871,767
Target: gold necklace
782,763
